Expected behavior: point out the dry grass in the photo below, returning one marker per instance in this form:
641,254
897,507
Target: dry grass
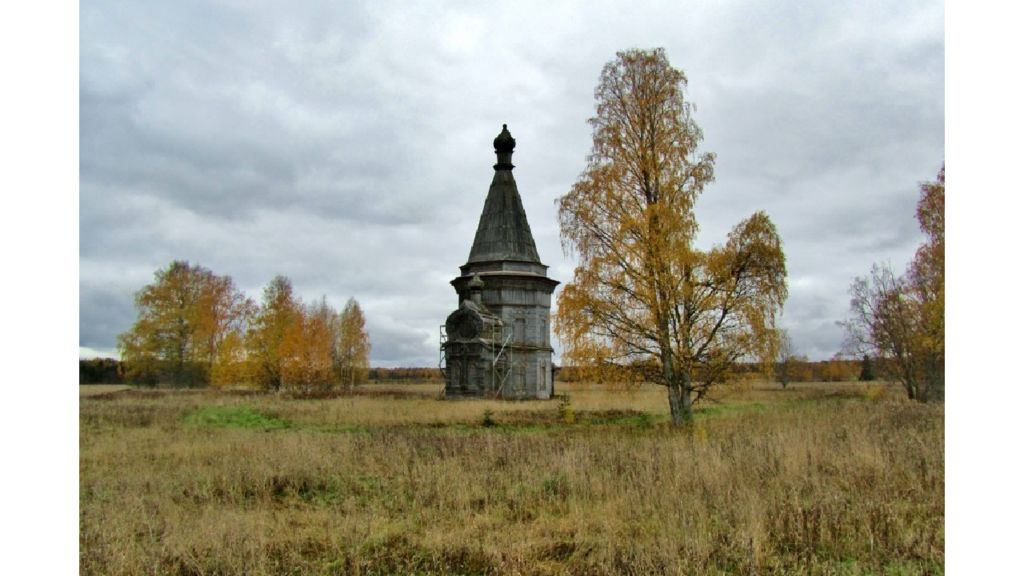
817,479
101,389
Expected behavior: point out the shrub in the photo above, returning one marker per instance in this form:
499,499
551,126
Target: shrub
488,418
565,411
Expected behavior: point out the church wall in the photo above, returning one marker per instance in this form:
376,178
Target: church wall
529,353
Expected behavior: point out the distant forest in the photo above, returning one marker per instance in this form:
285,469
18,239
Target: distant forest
111,371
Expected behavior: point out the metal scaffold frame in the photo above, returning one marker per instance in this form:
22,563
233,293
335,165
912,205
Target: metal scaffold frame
441,363
499,333
501,361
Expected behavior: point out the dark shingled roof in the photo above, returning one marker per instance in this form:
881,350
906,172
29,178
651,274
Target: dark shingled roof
503,232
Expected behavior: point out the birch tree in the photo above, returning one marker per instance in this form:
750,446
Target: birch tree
353,349
279,311
183,318
642,293
901,319
927,281
785,355
884,322
306,352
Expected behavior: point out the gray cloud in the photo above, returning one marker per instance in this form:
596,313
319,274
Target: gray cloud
348,145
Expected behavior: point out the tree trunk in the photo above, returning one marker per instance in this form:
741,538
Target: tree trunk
679,401
681,404
911,392
936,379
674,404
687,402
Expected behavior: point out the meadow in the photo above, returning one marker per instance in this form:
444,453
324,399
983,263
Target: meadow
815,479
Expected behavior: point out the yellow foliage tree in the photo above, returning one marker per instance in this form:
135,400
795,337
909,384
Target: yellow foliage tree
353,348
901,319
231,366
277,315
927,281
223,312
184,316
307,350
643,295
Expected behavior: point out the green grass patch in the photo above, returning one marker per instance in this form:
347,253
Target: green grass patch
235,417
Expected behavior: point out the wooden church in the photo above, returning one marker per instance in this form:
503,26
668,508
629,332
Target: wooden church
498,342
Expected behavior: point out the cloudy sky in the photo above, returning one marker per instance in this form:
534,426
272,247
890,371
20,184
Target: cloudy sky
348,145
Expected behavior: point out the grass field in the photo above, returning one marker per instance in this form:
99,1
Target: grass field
816,479
101,389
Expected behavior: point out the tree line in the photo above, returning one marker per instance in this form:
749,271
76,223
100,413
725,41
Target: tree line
404,374
100,371
112,371
794,369
196,328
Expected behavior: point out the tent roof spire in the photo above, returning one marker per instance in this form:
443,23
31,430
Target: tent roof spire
503,232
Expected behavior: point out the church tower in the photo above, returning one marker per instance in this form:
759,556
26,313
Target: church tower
498,342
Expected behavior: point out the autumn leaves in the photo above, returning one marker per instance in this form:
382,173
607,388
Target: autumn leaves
195,328
643,295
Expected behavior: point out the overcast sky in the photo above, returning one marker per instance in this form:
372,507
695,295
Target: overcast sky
348,145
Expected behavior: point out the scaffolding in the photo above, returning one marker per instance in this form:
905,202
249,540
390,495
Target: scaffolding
441,363
500,334
501,365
